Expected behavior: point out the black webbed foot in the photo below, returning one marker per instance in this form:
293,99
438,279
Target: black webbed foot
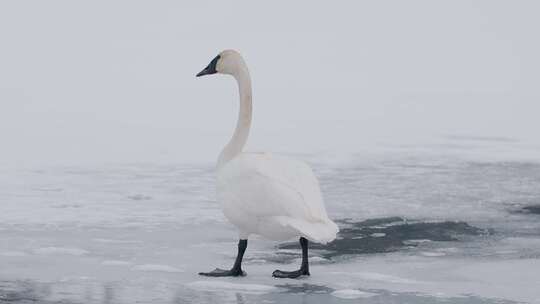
290,274
224,273
236,270
304,268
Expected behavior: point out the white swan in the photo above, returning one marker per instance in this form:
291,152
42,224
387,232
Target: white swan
275,197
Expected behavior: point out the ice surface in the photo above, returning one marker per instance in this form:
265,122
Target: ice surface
420,229
215,285
60,251
13,253
352,294
432,254
116,263
156,267
373,276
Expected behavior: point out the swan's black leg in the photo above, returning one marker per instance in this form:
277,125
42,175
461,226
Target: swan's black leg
304,268
236,270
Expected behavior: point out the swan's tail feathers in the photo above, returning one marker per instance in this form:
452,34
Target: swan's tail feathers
321,232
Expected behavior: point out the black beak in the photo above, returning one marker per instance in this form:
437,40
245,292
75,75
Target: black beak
210,69
203,72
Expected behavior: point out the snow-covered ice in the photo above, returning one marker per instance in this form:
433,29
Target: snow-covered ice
352,294
156,267
216,285
116,263
60,251
414,228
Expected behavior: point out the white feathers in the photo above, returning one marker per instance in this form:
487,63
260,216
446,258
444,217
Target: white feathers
275,197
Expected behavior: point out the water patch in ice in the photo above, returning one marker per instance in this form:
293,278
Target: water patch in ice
533,209
388,235
228,287
156,267
17,292
305,288
60,251
352,294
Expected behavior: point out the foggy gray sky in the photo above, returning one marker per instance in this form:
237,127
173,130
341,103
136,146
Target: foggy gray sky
114,80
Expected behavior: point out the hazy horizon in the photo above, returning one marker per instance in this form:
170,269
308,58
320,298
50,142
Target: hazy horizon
114,81
418,118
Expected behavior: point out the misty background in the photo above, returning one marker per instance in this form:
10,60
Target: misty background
105,81
419,118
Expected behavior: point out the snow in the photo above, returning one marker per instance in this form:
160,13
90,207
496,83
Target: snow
60,251
156,267
378,277
215,285
432,254
352,294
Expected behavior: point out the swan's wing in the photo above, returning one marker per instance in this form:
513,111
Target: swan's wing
266,185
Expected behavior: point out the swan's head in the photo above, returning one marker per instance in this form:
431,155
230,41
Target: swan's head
227,62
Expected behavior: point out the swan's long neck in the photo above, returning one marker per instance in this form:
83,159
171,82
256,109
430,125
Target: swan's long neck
241,133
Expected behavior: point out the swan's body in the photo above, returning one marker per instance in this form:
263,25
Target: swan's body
275,197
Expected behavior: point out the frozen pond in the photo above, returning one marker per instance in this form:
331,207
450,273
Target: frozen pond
417,229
